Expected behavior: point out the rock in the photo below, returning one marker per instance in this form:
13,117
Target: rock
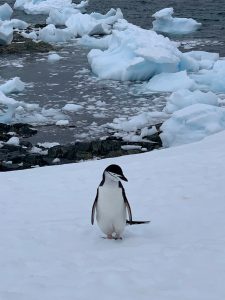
24,45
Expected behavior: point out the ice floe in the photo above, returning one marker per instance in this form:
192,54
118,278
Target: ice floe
81,24
14,85
5,12
71,107
51,34
169,82
212,79
135,54
192,123
164,22
6,33
54,57
184,98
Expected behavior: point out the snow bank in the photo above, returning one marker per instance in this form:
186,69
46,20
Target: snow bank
5,12
191,124
169,82
183,98
14,85
49,250
134,54
167,24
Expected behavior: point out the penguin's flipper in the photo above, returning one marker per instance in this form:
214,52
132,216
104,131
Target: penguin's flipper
126,202
137,222
94,209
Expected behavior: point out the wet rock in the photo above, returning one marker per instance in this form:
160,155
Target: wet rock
24,45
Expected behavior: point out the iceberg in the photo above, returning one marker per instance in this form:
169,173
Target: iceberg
184,98
192,124
5,12
165,23
134,54
169,82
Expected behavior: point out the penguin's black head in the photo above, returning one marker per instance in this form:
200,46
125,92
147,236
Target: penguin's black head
116,172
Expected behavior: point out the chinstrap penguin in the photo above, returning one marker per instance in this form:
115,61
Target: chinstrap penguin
111,204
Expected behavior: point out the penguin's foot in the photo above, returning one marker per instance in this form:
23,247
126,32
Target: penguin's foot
109,236
118,237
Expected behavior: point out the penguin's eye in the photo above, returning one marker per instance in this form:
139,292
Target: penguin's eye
114,175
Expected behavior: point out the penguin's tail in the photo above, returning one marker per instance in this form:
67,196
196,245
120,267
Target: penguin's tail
137,222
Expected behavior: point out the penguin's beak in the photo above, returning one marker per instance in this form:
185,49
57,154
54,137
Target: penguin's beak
123,177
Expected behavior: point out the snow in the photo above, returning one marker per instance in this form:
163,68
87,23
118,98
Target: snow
164,22
192,123
71,107
14,85
169,82
54,57
183,98
49,250
134,54
5,12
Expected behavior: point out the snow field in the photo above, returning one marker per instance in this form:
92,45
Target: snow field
49,250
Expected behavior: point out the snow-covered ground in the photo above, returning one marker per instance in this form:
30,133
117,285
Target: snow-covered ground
49,250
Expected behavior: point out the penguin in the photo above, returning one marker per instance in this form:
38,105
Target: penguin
111,205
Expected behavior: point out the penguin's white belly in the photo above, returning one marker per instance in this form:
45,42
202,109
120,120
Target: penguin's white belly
111,210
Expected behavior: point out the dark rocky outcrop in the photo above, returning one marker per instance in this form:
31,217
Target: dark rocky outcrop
23,156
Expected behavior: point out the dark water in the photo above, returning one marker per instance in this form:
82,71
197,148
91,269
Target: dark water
52,85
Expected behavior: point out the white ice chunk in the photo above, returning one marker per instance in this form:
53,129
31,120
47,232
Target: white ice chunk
60,16
81,24
166,23
41,6
192,124
48,145
6,33
213,79
95,43
14,85
135,54
62,123
169,82
17,24
54,57
72,107
15,141
5,12
183,98
31,35
51,34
